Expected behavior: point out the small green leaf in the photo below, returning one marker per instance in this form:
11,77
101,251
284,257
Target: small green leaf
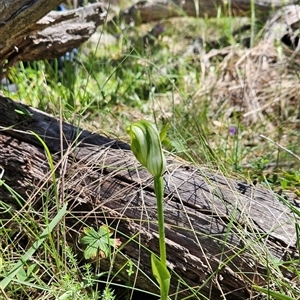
23,111
21,275
162,275
284,183
33,268
90,252
163,132
90,235
98,243
130,270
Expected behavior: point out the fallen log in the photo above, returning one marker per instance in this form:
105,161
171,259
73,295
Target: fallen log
157,10
30,37
221,233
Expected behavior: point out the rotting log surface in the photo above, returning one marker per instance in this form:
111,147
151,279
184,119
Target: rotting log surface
215,226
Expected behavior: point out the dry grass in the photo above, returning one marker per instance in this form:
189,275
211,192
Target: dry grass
260,83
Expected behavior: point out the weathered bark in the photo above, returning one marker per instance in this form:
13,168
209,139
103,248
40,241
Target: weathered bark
284,24
216,227
27,36
16,18
59,32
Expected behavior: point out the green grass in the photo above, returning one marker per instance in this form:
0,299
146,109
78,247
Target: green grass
211,125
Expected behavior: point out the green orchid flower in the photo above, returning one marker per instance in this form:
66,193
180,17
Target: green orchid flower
146,146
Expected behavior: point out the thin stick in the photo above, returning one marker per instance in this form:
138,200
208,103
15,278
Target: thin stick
281,147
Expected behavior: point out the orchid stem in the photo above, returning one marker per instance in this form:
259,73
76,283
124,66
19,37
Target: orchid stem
159,192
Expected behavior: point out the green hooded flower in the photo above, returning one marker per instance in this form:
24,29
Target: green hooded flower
146,146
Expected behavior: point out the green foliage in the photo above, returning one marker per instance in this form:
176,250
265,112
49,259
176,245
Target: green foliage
108,294
29,253
162,276
280,179
25,273
98,243
129,269
75,283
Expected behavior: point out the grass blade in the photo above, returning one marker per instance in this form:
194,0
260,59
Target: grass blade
6,281
274,294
